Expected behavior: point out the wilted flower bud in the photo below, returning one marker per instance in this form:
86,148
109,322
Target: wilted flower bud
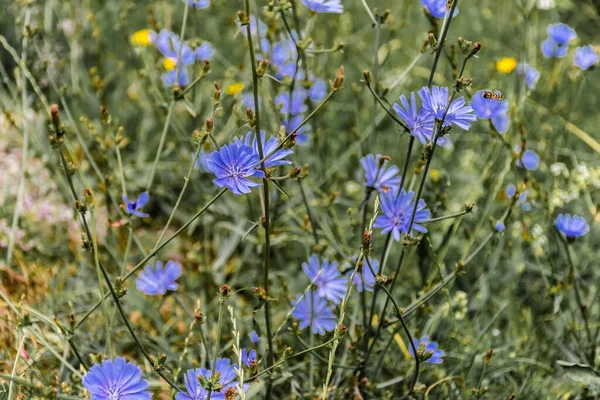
366,244
209,124
206,66
474,49
340,331
224,291
338,83
294,173
488,356
250,116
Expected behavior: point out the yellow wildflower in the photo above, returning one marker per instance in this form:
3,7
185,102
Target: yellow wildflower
234,88
145,37
506,65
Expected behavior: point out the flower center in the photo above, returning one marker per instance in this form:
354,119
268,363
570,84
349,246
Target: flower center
113,392
169,64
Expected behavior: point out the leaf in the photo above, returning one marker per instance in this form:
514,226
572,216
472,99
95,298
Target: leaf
583,374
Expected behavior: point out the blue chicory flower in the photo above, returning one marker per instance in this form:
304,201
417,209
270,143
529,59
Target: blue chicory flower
295,105
364,278
234,165
116,379
499,226
318,90
198,4
254,337
530,74
511,190
383,179
169,45
330,283
435,102
561,33
571,227
133,207
276,158
226,373
418,120
312,308
501,123
530,160
398,210
204,52
324,6
429,347
158,281
488,108
585,57
437,8
248,357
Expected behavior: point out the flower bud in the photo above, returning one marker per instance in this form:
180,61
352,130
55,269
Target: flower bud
262,68
488,356
206,66
367,76
243,18
338,83
250,116
366,244
224,291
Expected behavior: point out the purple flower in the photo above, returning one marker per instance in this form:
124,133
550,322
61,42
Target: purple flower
562,34
324,6
133,207
572,227
194,391
198,4
430,350
330,283
295,105
530,74
499,226
437,8
248,357
419,121
205,51
158,281
318,90
313,310
511,190
364,278
224,370
501,123
233,165
169,44
277,158
585,57
530,160
551,49
116,379
254,337
383,179
283,52
488,108
435,102
398,211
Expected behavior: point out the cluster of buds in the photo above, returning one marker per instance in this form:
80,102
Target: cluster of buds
468,48
423,354
340,331
55,128
198,315
410,241
383,279
211,384
120,289
159,364
462,83
86,244
479,393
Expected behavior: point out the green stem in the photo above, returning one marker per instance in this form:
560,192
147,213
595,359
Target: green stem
222,300
154,252
267,221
